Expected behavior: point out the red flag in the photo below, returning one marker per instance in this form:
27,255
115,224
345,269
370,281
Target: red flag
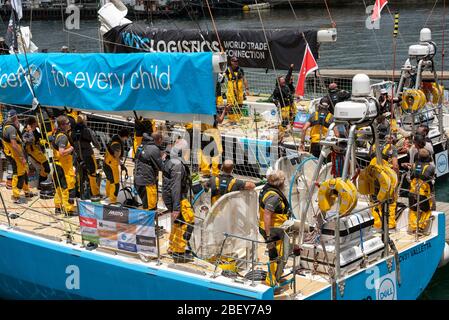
378,6
308,65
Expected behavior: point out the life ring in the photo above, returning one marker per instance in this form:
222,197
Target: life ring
382,175
365,183
419,100
335,188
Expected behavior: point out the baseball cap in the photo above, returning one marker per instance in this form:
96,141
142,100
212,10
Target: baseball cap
12,113
383,91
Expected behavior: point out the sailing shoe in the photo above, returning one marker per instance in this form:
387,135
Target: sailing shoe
18,200
73,213
30,194
58,210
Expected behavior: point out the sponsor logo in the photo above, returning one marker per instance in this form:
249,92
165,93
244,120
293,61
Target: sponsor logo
146,241
72,281
112,235
145,231
107,225
134,40
89,231
386,290
89,238
147,250
108,243
35,76
115,214
127,246
442,162
88,222
127,237
127,228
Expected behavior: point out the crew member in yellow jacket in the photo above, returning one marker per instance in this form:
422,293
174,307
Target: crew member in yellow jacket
235,95
274,210
16,156
33,146
390,158
115,150
210,149
318,123
64,174
421,187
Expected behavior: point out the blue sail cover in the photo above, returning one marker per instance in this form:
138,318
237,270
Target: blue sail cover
161,85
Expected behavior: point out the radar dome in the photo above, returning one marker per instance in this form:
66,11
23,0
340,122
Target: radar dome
361,86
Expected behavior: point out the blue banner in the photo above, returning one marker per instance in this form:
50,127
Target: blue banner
178,83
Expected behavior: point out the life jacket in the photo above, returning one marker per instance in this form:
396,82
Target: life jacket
223,184
419,179
333,96
66,160
319,124
7,141
30,146
387,152
234,94
82,137
282,212
115,139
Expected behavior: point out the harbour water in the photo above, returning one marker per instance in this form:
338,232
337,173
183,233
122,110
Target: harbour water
357,47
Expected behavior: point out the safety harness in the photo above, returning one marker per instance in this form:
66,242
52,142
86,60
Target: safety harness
223,184
115,139
282,212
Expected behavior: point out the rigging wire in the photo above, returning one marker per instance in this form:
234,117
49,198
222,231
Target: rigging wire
395,33
430,14
334,25
214,25
377,45
41,125
442,47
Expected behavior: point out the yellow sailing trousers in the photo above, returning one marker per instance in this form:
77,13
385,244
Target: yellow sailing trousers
377,214
91,164
288,113
423,219
65,181
182,228
137,143
111,170
205,160
275,254
19,176
148,195
39,157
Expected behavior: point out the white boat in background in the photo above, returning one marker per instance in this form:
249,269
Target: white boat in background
257,6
